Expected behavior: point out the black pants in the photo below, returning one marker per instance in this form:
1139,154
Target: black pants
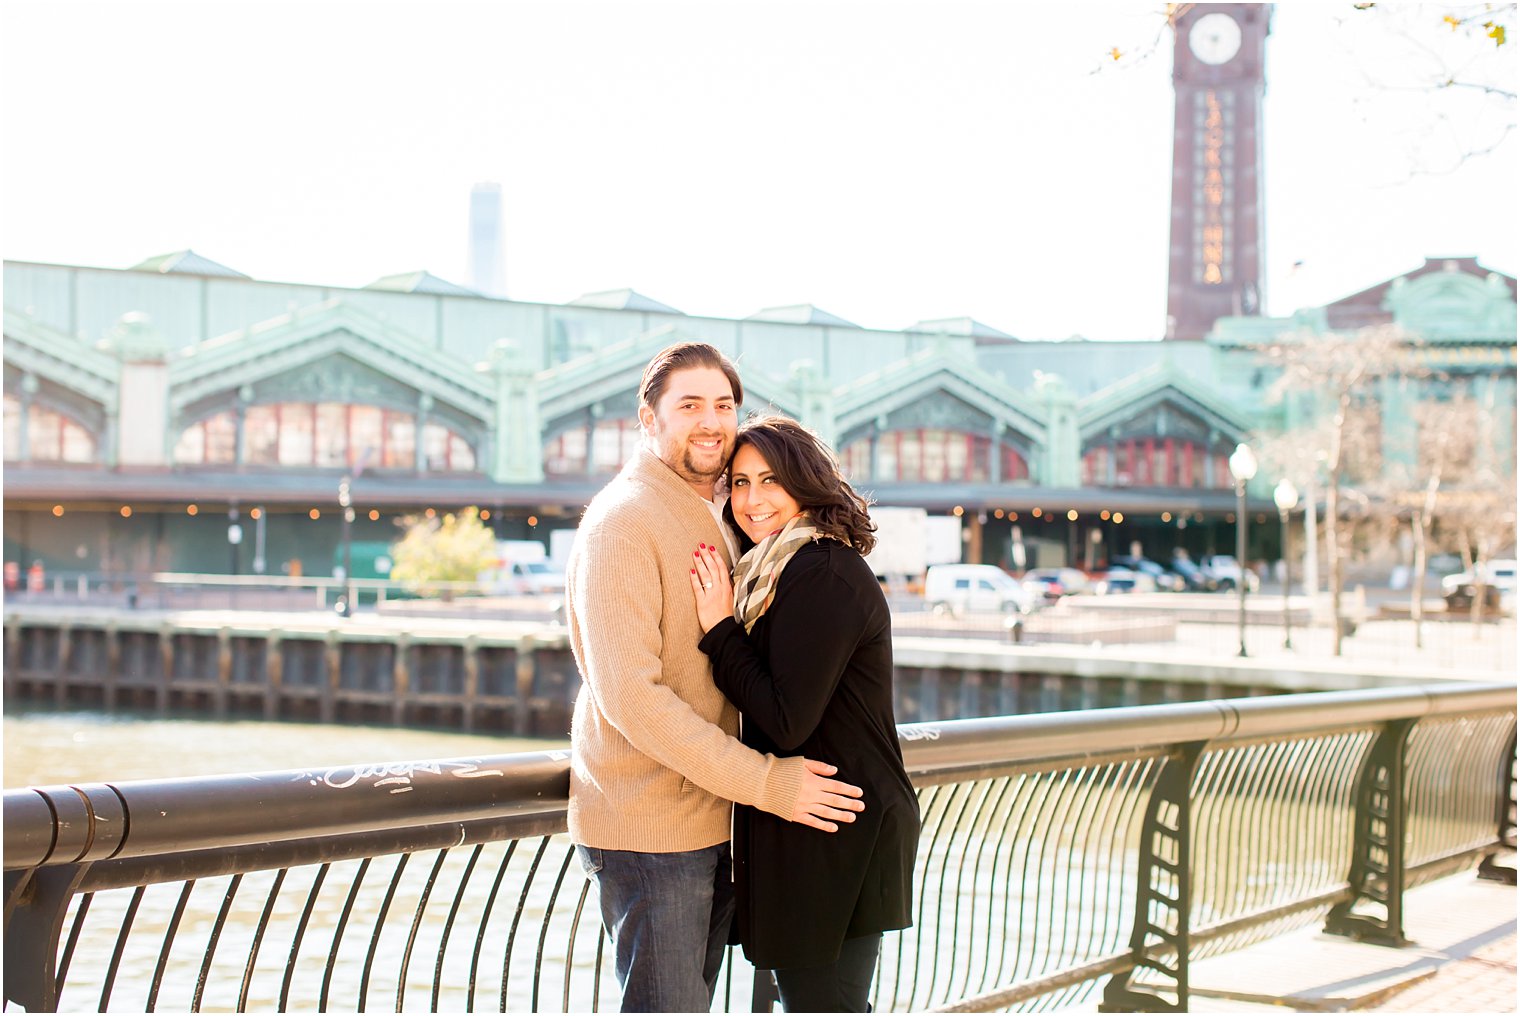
841,986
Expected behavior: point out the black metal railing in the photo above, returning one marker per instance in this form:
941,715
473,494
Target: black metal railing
1062,854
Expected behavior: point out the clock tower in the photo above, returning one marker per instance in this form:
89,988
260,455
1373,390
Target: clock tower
1215,260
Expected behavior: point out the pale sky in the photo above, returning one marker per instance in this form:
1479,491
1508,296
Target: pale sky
889,162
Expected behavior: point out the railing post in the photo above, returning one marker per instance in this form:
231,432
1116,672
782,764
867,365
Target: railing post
36,900
1377,863
1163,898
1505,814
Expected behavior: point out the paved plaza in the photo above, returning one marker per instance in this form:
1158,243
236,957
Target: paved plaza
1461,959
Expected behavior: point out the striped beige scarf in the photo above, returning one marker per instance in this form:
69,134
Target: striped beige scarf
758,571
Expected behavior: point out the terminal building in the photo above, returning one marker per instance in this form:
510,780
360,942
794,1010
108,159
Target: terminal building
155,415
147,410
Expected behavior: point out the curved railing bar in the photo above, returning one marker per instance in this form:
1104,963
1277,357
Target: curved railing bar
120,821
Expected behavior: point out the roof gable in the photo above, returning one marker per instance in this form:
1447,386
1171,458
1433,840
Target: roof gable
918,377
623,299
1453,305
420,282
984,333
32,346
1161,382
801,314
186,262
1370,306
314,333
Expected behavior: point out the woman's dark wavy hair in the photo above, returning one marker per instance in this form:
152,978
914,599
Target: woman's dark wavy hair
808,471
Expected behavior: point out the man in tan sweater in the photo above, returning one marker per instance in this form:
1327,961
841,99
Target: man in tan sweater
656,761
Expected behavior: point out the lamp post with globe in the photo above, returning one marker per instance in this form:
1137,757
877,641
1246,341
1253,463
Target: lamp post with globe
1242,468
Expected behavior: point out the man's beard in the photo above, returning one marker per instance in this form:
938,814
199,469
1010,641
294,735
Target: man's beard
694,473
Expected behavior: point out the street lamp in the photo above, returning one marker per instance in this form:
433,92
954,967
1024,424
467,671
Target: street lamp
346,502
1286,496
1243,468
234,537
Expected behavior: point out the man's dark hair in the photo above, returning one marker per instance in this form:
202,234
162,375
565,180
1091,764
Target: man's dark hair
810,474
682,356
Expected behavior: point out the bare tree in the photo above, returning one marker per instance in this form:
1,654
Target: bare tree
1479,510
1445,439
1335,380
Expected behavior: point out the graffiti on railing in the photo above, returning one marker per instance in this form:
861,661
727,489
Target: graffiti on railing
395,775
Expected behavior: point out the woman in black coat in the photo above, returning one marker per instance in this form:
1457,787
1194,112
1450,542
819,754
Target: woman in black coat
801,642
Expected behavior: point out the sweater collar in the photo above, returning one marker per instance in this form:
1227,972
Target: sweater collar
648,466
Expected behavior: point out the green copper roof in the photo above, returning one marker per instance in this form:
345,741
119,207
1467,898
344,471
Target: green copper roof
187,262
623,299
420,282
801,314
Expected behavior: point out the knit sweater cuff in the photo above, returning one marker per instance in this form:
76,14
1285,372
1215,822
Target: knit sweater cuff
783,785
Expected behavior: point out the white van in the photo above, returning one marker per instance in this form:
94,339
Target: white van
959,588
522,568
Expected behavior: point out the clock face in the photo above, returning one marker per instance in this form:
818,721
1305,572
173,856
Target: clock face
1215,38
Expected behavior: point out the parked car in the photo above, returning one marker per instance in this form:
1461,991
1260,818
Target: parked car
1163,579
1054,583
529,578
1460,597
959,588
1116,581
1226,571
1498,576
1194,578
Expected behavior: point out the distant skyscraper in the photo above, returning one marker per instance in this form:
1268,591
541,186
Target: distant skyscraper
488,273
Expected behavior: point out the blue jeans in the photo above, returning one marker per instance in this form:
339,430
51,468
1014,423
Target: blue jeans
668,916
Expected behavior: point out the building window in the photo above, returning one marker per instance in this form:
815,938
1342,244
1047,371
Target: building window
1152,462
51,436
612,444
446,451
930,456
398,445
328,435
12,429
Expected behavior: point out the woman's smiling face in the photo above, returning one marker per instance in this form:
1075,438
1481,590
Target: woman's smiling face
759,503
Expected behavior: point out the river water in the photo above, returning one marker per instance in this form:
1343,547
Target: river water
49,747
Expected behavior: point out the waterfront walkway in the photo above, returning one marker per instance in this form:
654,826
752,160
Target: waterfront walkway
1463,931
1461,959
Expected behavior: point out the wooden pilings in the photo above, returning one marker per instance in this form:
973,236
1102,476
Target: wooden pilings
521,681
333,675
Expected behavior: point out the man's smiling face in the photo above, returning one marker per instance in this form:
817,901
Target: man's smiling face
693,425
